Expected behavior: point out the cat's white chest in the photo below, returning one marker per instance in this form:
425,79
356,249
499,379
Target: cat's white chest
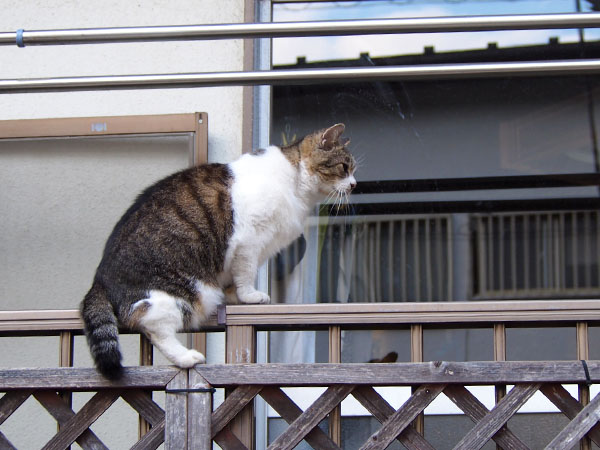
269,204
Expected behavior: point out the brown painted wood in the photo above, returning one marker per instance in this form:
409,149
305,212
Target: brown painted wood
145,406
289,411
402,418
11,401
570,407
389,374
476,411
231,407
62,413
578,427
279,316
81,421
152,439
311,418
497,417
382,410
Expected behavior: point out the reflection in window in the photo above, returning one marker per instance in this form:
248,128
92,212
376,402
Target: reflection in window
469,189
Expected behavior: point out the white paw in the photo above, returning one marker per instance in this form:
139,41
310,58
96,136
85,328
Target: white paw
254,297
190,359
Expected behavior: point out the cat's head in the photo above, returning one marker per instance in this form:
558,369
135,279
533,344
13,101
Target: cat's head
325,155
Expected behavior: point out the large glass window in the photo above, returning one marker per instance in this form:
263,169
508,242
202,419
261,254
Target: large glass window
469,189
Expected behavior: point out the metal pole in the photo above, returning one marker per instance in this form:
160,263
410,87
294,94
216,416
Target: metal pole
300,29
304,76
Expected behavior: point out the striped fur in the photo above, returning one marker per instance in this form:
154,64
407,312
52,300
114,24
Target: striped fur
199,232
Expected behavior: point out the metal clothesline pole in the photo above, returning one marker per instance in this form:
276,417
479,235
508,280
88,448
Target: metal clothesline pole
25,38
303,76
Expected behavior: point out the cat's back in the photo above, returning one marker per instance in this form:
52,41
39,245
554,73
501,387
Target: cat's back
189,209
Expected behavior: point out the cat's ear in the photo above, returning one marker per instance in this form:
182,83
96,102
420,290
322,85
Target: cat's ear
331,135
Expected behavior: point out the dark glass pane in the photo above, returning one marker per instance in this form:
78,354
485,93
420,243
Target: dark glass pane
537,430
458,344
443,432
376,346
298,346
541,344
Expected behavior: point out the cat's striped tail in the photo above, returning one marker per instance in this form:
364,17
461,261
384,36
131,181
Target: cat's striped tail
102,332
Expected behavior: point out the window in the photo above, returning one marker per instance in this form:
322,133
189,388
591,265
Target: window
64,183
470,189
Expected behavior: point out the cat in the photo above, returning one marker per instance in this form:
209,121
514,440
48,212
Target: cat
202,232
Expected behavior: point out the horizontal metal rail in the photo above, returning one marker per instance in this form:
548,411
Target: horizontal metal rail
300,29
478,183
303,76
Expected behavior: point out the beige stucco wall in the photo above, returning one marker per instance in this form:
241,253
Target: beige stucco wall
224,105
31,426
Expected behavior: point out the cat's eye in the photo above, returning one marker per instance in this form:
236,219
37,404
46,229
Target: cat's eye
344,168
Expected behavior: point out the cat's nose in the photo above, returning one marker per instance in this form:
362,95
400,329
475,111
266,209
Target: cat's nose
352,184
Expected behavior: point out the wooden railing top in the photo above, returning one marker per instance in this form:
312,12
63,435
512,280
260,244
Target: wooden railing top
273,316
51,322
311,315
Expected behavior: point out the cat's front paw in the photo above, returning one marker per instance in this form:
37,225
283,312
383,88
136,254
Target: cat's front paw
254,297
190,359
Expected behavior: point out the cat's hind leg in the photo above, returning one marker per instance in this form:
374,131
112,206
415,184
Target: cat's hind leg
160,317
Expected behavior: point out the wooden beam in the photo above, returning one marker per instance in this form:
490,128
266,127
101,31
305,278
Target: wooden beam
390,374
63,413
578,427
235,402
81,421
476,411
401,419
570,407
348,314
489,425
311,418
382,411
289,411
144,405
82,379
11,401
152,439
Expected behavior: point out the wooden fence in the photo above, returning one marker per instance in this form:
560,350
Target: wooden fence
189,422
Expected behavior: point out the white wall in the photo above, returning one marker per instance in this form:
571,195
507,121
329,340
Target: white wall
223,105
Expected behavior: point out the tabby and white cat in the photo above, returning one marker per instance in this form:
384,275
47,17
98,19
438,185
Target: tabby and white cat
200,232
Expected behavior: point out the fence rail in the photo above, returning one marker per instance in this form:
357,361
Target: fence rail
24,38
301,29
189,421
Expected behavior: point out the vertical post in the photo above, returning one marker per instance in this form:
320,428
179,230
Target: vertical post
146,359
199,410
65,359
241,348
176,414
416,355
499,355
583,353
335,356
200,154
